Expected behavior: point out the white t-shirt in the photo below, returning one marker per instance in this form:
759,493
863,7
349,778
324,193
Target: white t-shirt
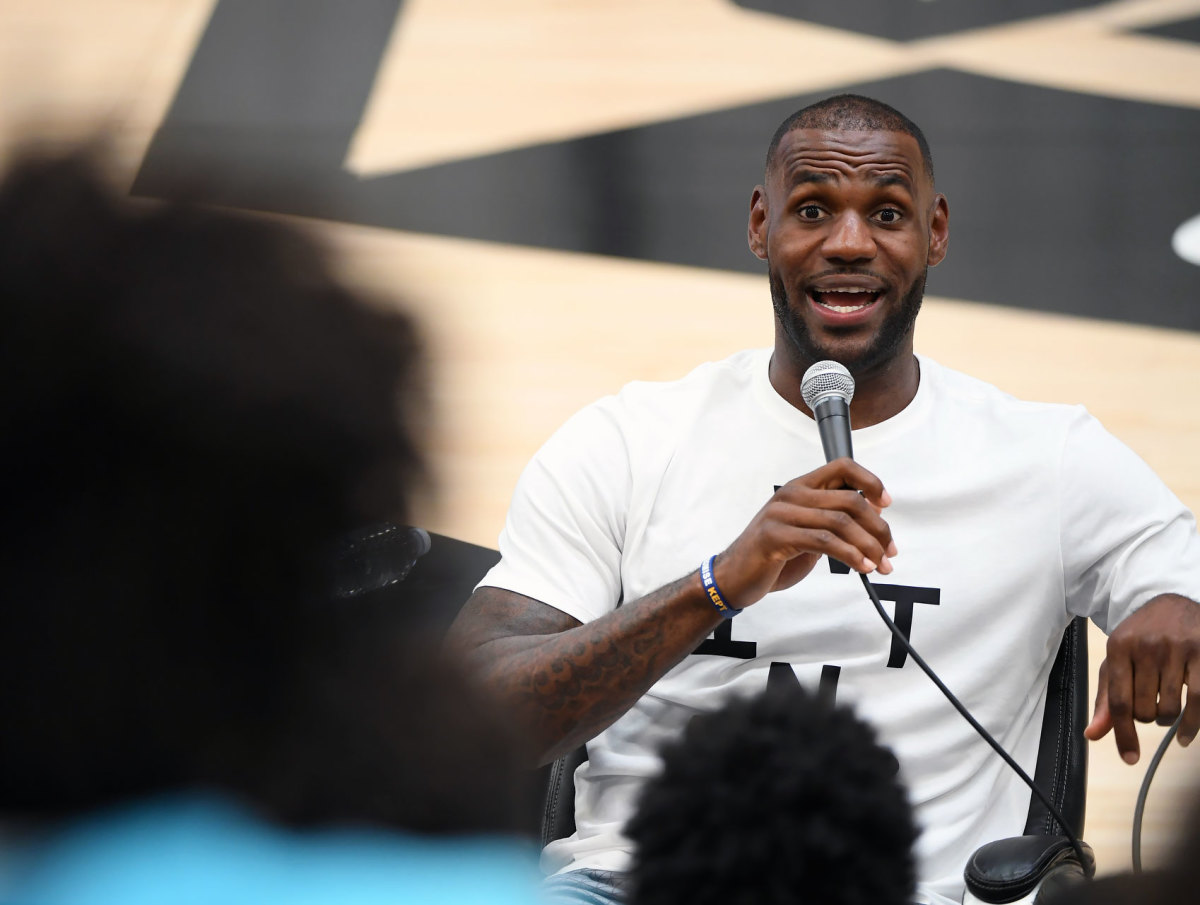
1010,517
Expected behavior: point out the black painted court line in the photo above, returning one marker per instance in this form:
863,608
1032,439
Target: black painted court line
1059,201
908,20
1184,30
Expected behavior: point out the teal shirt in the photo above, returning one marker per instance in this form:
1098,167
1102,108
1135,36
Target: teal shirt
206,850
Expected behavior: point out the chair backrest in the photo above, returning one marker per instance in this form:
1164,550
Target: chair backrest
1061,770
1062,763
430,574
558,808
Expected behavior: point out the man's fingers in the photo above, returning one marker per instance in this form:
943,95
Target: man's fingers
829,542
1145,690
848,473
1190,724
838,523
834,510
1170,693
838,499
1101,718
1151,655
1120,707
852,533
855,491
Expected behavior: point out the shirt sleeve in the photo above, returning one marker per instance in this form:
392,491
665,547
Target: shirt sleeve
1126,538
563,536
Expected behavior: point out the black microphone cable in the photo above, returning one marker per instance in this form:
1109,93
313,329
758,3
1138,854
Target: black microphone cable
1088,866
1140,808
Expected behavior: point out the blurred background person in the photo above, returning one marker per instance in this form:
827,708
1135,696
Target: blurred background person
194,410
778,798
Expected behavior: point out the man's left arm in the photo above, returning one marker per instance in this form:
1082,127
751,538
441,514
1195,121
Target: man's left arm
1131,557
1151,656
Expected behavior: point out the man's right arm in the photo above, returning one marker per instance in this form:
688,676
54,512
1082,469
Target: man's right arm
568,681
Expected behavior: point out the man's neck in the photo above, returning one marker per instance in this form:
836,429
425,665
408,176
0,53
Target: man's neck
878,395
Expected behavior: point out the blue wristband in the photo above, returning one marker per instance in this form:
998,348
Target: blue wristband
714,593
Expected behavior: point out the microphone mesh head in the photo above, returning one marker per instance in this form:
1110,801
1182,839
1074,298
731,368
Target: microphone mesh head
826,378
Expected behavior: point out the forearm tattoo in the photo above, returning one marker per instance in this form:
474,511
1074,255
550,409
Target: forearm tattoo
570,681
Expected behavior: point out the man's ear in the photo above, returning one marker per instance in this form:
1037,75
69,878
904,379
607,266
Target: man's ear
939,230
756,228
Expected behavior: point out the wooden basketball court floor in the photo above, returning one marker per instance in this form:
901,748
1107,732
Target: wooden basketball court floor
522,335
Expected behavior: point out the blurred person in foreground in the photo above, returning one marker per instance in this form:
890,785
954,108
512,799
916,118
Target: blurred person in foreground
194,410
778,798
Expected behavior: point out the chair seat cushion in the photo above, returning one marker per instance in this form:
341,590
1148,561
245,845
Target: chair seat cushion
1008,869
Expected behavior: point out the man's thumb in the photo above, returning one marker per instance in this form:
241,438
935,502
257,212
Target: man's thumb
1101,718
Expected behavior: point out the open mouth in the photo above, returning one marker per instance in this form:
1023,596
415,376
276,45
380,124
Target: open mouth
845,301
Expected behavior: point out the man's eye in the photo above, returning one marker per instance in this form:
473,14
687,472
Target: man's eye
888,215
809,212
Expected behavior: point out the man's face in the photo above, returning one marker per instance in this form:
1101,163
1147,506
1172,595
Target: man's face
848,223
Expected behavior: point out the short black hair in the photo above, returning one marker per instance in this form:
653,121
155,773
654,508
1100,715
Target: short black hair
776,798
196,408
852,113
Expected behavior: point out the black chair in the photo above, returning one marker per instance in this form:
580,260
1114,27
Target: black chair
431,576
1031,868
438,572
558,807
1016,870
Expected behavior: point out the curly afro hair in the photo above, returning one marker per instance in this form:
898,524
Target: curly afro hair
196,407
776,798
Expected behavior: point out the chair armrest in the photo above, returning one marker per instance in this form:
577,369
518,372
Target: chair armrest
1014,870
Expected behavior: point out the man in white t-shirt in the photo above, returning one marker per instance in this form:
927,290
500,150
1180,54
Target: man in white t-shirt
653,516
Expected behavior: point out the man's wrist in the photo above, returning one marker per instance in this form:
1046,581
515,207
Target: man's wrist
713,591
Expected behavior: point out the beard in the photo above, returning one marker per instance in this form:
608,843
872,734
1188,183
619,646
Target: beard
882,347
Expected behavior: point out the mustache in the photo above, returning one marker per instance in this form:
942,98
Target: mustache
849,272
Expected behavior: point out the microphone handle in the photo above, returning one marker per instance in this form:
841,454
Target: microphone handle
833,424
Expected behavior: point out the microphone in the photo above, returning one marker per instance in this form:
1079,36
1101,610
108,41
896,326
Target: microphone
827,388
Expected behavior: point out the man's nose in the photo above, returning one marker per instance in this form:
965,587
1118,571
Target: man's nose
849,239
